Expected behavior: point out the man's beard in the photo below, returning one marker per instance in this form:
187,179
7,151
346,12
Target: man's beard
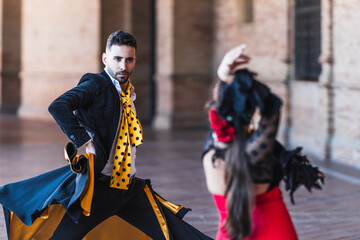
120,79
117,76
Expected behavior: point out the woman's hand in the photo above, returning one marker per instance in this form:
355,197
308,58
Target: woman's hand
230,62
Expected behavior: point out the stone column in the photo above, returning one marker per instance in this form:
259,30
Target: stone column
113,18
342,80
10,56
327,75
141,26
135,17
183,62
60,42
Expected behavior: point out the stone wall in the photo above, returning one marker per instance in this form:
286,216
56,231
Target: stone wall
50,46
63,40
264,33
60,42
10,51
346,82
322,116
183,66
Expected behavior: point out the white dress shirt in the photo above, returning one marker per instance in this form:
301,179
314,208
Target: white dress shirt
109,165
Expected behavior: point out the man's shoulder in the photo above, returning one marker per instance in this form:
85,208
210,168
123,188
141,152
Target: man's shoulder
97,78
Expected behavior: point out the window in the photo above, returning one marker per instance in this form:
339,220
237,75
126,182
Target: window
307,39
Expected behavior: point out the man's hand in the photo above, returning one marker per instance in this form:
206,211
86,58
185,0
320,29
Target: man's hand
231,60
90,147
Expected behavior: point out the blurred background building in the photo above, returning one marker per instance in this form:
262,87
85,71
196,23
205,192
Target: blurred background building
306,50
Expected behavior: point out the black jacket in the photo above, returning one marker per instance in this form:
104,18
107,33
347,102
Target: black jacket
94,106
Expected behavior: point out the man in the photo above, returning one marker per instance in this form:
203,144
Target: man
100,197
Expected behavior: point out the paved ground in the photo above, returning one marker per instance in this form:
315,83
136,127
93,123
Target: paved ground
172,161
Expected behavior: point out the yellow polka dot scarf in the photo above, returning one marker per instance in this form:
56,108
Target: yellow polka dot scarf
130,135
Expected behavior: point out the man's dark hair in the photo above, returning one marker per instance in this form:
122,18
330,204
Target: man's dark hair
121,38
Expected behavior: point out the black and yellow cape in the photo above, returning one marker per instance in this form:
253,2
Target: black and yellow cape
33,208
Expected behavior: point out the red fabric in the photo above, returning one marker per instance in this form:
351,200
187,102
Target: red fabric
270,218
224,131
220,203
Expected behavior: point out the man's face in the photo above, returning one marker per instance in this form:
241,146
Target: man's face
119,62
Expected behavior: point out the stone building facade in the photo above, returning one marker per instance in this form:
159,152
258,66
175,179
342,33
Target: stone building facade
46,46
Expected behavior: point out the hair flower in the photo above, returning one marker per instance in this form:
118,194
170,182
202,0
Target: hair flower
224,131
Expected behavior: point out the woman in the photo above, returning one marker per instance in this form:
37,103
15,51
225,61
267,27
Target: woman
243,165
